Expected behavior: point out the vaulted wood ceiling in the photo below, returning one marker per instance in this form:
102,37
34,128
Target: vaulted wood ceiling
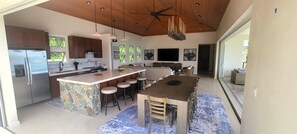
198,15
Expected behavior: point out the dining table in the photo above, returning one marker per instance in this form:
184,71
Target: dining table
177,89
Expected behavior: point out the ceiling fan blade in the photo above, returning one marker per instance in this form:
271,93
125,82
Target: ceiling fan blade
166,15
141,13
157,17
168,8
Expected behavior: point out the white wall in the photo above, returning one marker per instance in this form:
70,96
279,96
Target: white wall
271,70
6,80
233,12
61,24
233,53
192,41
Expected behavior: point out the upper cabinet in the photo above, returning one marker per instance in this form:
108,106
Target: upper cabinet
78,46
24,38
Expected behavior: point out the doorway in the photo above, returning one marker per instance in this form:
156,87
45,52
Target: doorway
206,59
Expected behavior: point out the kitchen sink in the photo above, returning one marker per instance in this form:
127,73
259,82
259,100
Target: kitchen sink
63,71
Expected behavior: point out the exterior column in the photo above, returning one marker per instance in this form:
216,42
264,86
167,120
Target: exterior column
6,80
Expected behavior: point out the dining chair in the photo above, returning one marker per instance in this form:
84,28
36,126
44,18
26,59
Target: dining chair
158,110
191,108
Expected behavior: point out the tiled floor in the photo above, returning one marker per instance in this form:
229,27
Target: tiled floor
237,90
47,119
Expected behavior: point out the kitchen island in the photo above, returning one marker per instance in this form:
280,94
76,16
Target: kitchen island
81,93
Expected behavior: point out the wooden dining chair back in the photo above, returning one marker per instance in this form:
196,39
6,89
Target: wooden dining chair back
157,107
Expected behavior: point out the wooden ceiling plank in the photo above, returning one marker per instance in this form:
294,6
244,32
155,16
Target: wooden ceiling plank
210,10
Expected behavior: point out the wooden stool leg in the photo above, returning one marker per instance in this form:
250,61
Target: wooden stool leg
138,86
150,126
131,94
113,100
102,102
105,104
116,99
164,126
125,96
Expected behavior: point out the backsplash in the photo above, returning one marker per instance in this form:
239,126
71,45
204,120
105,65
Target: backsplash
83,63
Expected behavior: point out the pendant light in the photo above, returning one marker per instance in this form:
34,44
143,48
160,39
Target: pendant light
112,36
96,34
124,28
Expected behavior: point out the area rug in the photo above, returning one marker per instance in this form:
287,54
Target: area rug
55,102
210,117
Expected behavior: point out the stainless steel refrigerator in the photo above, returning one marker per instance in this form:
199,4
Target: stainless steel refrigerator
30,76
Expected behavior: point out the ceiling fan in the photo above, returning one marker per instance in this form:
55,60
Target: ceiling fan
158,13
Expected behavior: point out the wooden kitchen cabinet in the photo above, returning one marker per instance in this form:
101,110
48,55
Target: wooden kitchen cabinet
78,46
97,48
15,37
75,47
24,38
35,39
55,86
47,47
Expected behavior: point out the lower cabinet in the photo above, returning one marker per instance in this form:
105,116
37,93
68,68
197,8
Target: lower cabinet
55,86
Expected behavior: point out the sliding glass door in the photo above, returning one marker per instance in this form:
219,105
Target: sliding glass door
232,66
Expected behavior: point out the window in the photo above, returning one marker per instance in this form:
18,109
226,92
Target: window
131,53
57,48
122,48
245,53
138,54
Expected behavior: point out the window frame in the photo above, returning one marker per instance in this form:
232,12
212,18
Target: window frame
131,53
58,49
122,53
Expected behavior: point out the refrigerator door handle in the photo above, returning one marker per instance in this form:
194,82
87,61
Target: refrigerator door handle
30,70
27,71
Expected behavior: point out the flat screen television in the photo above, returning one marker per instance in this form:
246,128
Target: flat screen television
168,54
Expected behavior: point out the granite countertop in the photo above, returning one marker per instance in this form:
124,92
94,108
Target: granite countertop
99,77
67,72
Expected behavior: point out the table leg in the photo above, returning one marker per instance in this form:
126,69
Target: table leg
182,116
141,110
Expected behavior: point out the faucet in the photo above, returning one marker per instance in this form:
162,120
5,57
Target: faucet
61,65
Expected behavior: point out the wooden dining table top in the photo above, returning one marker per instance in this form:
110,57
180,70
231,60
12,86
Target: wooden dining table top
173,87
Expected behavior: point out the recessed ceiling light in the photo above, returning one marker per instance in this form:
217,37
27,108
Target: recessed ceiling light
197,4
88,2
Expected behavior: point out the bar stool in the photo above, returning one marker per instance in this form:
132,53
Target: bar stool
124,86
110,91
140,81
133,83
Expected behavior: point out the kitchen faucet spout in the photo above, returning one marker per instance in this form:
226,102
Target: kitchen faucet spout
61,65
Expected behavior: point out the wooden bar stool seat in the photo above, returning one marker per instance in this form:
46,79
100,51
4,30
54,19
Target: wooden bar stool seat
109,91
133,87
141,82
124,86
